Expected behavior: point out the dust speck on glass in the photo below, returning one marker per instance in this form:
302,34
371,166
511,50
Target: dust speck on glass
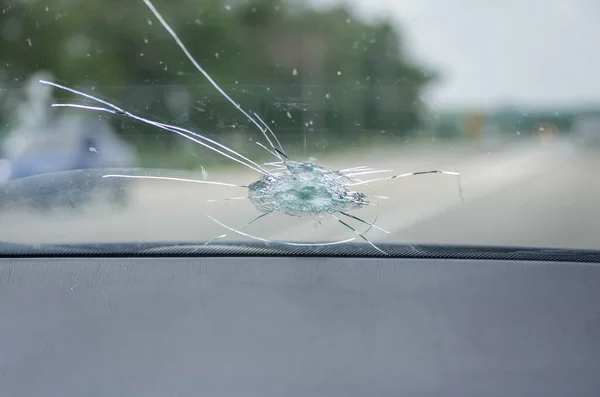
299,123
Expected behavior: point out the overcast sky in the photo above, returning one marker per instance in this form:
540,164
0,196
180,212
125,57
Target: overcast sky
493,52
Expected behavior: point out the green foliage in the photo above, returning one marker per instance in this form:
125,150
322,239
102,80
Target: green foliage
304,70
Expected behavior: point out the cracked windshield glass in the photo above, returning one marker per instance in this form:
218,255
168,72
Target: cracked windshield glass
314,122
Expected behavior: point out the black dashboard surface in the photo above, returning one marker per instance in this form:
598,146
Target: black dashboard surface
298,327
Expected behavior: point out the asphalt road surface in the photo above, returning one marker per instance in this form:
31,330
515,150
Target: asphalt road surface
532,193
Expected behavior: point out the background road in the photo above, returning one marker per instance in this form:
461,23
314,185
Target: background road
531,194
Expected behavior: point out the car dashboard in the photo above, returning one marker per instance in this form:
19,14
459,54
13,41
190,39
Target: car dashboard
169,322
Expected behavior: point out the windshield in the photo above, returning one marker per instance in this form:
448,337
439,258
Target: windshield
302,122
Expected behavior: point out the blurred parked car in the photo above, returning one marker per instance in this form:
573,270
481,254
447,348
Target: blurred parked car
64,144
42,142
586,130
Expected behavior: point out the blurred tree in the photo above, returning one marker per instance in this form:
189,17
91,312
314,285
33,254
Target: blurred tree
304,69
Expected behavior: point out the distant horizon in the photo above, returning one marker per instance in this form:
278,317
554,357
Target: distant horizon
530,107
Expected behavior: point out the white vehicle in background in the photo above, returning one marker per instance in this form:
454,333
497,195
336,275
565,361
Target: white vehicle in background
586,130
42,143
66,144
